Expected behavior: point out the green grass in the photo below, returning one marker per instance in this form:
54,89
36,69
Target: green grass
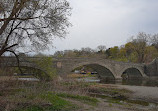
32,108
139,102
116,101
52,103
57,102
85,99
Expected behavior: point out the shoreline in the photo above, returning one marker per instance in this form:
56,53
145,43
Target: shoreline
146,93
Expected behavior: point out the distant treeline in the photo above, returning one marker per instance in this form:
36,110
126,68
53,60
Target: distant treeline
142,48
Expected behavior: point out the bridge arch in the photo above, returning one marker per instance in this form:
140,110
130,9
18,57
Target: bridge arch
132,72
104,71
35,70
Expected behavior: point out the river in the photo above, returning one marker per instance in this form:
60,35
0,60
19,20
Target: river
132,82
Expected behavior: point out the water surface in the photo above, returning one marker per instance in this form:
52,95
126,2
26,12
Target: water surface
132,82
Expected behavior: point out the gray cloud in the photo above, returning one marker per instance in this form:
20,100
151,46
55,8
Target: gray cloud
108,22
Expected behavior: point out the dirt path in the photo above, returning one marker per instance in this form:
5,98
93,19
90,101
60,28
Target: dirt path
143,92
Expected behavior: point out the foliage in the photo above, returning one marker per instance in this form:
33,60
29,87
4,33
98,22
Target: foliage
114,52
142,48
151,52
46,71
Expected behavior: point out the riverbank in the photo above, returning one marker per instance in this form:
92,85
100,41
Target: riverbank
70,95
146,93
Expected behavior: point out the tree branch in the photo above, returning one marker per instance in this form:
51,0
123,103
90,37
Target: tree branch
15,10
18,62
11,46
5,49
23,19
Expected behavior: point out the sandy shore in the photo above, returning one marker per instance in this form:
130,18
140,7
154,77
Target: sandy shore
143,92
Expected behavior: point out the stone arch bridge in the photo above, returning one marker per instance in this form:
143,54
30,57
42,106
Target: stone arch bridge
102,66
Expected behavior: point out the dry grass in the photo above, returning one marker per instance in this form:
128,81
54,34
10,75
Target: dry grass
16,94
7,78
59,93
80,75
5,71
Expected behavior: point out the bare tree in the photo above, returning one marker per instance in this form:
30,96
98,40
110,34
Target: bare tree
32,24
154,40
101,48
139,45
59,54
86,51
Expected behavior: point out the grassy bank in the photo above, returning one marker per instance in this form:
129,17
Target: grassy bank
41,96
65,95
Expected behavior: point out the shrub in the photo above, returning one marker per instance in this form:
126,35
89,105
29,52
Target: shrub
46,71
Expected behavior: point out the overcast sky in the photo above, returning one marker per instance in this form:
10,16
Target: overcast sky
108,22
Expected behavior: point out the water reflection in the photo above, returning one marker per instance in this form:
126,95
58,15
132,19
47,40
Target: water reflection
108,81
135,82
